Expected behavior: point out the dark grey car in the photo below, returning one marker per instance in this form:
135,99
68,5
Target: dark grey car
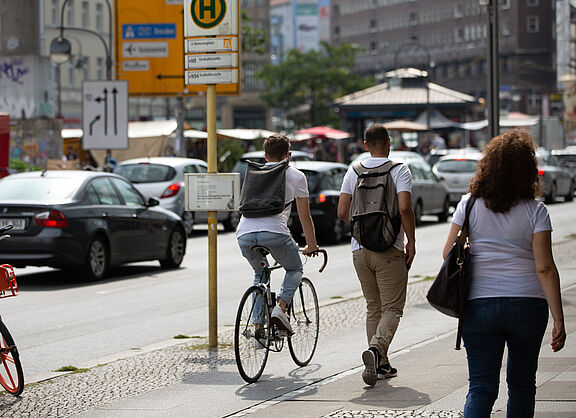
87,220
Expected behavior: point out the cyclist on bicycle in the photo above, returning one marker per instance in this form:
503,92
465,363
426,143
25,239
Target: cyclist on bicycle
273,233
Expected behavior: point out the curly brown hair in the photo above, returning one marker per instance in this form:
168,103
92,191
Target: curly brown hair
508,172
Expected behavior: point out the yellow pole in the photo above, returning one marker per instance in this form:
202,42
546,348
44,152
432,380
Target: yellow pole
212,221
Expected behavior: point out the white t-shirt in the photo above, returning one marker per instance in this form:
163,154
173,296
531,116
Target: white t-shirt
296,186
402,180
501,247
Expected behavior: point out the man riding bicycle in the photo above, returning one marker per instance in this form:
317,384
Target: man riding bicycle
273,233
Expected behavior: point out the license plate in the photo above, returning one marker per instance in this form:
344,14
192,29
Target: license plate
18,224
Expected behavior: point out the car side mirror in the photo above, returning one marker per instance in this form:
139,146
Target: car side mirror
153,202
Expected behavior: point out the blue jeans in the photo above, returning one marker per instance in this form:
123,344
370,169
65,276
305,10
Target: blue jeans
488,325
284,250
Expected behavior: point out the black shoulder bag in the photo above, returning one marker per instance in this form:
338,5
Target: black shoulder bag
449,291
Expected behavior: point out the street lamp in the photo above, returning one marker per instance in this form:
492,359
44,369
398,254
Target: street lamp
60,47
493,74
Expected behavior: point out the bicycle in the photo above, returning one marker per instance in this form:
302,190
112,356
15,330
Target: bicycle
11,374
255,336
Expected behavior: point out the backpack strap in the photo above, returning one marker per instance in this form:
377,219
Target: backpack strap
380,170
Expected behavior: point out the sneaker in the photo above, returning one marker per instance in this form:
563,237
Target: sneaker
280,319
371,358
386,371
259,343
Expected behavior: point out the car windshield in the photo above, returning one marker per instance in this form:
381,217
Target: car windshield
457,166
145,173
568,158
39,189
312,177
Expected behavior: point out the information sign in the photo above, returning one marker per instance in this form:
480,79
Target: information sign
105,115
215,191
229,59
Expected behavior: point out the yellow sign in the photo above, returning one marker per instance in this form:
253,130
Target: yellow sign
149,51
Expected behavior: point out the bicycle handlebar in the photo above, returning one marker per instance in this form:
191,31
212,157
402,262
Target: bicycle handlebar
325,254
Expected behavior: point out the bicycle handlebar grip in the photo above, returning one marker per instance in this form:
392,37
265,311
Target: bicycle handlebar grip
325,254
5,228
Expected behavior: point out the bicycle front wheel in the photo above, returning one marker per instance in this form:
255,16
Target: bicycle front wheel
11,375
251,334
305,320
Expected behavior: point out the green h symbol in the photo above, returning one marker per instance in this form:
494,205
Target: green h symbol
211,7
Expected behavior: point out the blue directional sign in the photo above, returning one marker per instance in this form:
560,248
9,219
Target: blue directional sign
150,31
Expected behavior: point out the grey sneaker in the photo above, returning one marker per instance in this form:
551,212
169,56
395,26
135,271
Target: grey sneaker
371,358
386,371
280,319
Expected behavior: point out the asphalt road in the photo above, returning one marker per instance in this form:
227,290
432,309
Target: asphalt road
57,320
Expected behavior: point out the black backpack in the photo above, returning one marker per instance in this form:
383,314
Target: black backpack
264,190
374,215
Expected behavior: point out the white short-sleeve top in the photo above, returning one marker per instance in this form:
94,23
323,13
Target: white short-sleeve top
501,247
296,186
400,176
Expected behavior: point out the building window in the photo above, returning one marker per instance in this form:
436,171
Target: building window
99,23
71,74
505,4
70,13
532,3
85,16
99,69
54,12
505,29
533,24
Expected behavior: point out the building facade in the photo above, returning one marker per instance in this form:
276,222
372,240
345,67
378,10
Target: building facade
300,24
448,39
27,27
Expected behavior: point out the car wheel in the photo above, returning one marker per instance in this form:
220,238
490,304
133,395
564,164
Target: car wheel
231,222
418,213
96,264
175,250
443,216
570,196
551,197
188,219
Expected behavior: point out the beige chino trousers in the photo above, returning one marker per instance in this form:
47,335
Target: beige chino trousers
383,277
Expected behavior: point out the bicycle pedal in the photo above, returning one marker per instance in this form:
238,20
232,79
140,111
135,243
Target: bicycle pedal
283,333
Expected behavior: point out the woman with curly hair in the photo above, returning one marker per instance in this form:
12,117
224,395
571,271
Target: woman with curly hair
514,277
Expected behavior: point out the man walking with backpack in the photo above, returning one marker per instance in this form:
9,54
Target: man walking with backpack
376,199
264,222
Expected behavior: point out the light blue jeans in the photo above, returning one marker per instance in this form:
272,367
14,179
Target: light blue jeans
283,249
488,325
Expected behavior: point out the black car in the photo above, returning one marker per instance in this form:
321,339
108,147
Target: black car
87,220
324,183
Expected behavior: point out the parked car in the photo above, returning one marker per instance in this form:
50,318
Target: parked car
258,157
436,154
324,183
567,158
163,178
429,195
456,170
85,219
555,180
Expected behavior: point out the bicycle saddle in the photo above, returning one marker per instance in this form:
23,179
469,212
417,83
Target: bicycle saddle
261,249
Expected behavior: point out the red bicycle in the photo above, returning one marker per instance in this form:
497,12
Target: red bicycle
11,374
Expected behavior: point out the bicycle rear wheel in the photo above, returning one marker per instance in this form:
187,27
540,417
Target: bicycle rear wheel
305,321
251,334
11,375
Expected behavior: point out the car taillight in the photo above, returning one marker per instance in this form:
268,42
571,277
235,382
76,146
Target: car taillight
52,219
321,198
172,190
540,172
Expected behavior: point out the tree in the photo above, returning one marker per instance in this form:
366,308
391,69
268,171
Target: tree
306,83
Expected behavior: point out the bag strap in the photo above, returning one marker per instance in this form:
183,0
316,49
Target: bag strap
364,172
463,237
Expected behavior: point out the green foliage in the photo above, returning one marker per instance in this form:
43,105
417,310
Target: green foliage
229,151
253,39
21,166
306,83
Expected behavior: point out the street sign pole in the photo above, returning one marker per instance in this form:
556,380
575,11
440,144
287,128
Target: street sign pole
212,221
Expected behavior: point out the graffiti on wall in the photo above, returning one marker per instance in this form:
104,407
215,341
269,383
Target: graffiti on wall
23,81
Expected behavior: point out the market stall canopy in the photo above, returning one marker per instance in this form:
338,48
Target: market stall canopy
511,120
246,134
405,126
437,120
324,132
